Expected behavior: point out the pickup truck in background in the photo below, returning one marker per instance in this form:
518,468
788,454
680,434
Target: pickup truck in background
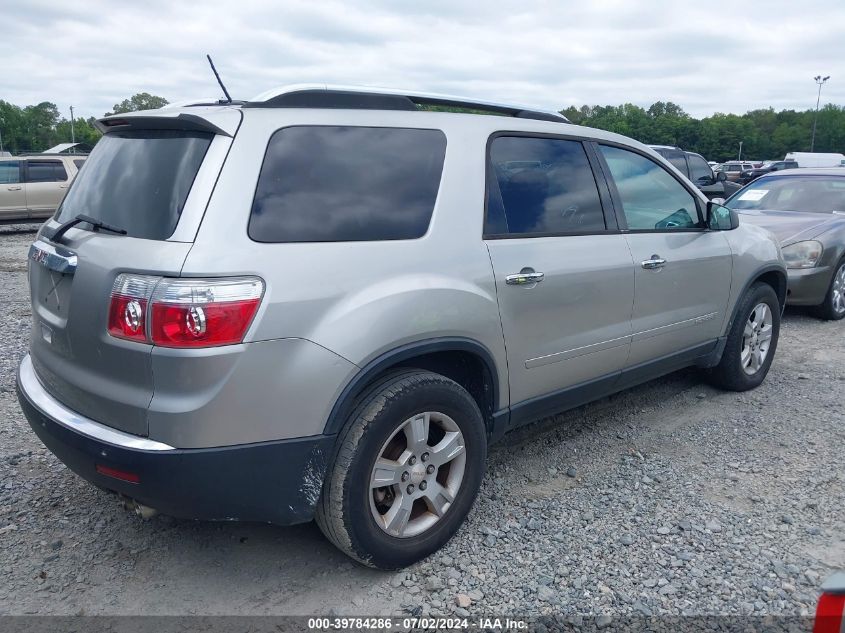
699,171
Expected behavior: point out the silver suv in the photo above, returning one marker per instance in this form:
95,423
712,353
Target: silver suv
329,302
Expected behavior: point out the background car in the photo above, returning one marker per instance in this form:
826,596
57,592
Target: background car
733,169
767,167
32,187
805,209
693,166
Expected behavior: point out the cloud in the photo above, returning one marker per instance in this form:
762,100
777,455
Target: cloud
706,56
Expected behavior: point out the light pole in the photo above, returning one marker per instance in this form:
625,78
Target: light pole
72,133
740,151
820,81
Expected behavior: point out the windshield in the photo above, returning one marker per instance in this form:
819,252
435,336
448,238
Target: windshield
811,194
138,180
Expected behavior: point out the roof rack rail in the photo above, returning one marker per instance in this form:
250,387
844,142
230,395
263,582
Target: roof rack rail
359,98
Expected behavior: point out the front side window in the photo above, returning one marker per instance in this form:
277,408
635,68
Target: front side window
651,198
10,172
541,186
699,170
340,183
45,171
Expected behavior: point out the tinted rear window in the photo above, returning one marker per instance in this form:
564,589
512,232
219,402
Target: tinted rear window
138,180
332,184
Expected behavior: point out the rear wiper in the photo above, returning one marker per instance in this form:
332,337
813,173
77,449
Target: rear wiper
79,219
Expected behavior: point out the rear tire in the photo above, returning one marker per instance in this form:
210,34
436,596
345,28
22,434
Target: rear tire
833,306
421,435
752,341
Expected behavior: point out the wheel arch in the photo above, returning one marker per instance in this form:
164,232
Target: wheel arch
464,360
774,276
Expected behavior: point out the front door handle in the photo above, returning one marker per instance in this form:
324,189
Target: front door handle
656,261
15,188
524,277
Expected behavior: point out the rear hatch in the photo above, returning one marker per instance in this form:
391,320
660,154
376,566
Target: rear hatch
150,177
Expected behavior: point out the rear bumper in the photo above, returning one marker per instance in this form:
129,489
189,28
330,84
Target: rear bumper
276,482
808,286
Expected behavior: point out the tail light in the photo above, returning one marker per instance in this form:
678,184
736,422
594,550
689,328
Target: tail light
130,295
183,312
831,607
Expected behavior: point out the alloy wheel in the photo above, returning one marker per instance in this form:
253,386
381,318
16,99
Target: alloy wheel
417,475
837,298
756,339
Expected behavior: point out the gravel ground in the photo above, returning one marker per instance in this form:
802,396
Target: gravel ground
671,498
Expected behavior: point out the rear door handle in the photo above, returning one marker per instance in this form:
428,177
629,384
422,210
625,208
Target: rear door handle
524,277
14,188
656,261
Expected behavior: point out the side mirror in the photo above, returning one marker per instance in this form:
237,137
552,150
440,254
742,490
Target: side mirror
721,176
719,217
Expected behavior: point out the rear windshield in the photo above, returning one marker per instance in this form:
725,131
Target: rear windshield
138,181
337,183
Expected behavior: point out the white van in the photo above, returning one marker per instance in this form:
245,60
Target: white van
816,159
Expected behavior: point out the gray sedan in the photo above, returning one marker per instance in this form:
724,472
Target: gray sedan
805,209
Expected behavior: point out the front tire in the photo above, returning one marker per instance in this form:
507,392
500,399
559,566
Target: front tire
833,307
752,341
410,461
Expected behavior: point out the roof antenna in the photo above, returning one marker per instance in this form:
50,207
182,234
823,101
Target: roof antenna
225,92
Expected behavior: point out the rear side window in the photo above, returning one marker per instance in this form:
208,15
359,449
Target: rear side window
678,161
10,172
346,184
541,186
45,171
138,180
79,162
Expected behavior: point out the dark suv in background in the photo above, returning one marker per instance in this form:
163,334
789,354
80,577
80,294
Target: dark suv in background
748,175
694,167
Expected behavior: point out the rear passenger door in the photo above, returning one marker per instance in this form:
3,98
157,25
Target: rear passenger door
564,274
12,194
682,269
46,184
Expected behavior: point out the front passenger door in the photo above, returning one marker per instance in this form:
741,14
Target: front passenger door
682,269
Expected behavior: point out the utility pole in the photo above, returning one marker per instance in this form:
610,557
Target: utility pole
72,133
740,151
820,81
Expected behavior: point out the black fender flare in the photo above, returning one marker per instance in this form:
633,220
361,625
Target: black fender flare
344,403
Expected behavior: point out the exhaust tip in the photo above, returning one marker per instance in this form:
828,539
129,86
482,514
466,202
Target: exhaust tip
145,512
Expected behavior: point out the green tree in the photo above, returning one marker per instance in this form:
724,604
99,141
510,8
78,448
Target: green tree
140,101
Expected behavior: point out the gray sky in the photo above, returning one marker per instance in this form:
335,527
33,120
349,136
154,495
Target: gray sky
707,56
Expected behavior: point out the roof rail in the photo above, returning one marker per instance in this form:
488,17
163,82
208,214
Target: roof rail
360,98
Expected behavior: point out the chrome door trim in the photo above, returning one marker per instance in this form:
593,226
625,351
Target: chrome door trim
663,329
557,357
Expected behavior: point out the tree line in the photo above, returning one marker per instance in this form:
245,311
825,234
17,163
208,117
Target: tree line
765,134
35,128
